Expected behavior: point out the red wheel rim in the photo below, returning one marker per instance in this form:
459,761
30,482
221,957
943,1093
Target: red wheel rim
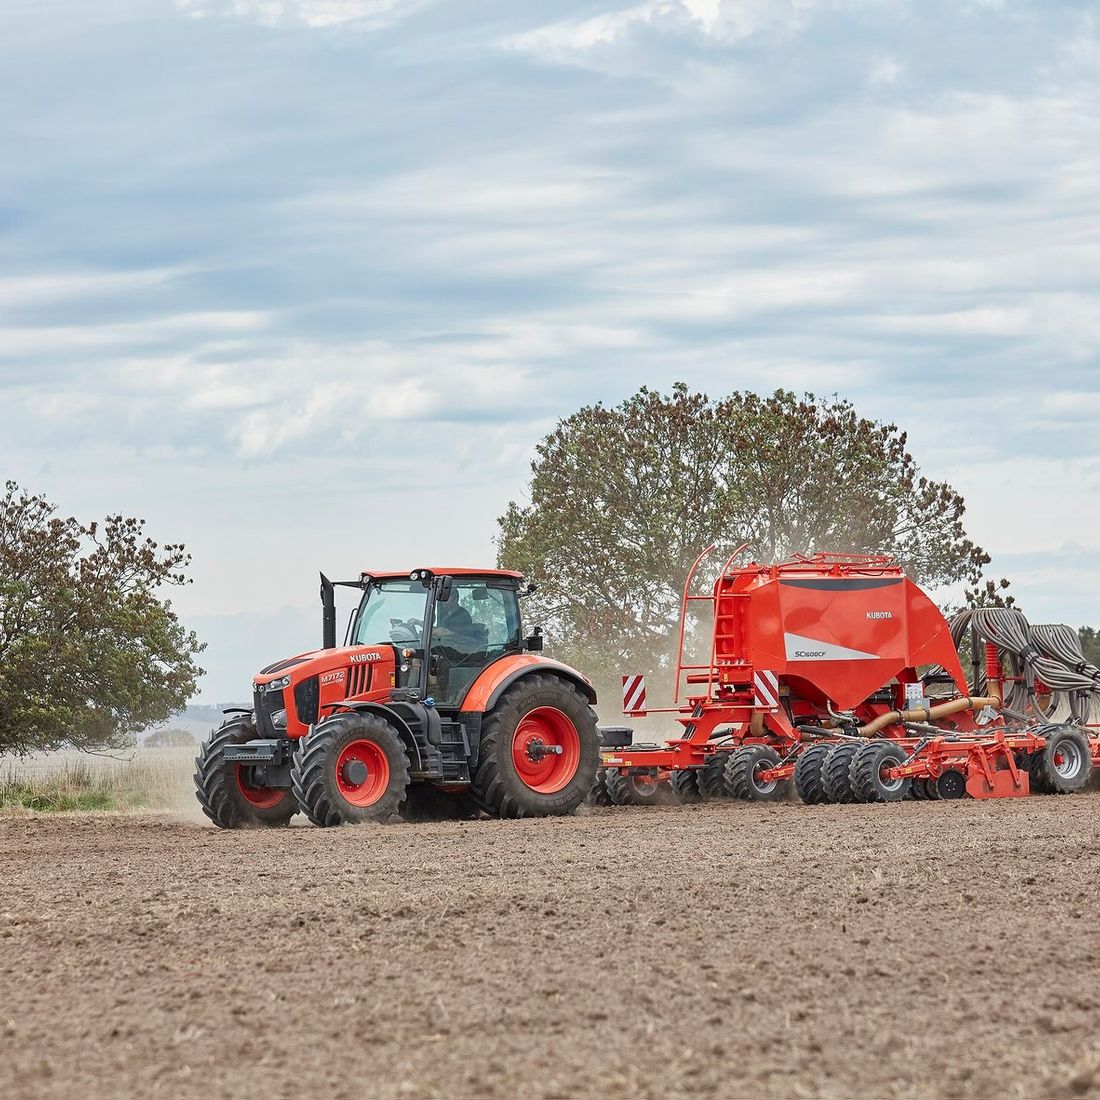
546,750
644,783
358,789
263,798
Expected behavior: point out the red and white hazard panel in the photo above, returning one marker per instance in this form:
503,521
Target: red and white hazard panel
765,686
633,695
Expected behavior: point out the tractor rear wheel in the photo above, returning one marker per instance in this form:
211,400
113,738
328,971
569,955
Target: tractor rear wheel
1064,764
837,773
743,770
809,778
227,792
869,782
685,785
635,787
352,768
540,750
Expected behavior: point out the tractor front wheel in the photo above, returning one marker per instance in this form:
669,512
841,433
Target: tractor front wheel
228,792
351,768
540,750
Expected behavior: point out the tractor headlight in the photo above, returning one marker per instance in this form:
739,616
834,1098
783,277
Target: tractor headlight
276,685
278,719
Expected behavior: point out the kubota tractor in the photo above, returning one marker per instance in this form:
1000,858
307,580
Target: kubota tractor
436,705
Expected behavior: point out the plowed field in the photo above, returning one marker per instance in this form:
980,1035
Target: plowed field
948,949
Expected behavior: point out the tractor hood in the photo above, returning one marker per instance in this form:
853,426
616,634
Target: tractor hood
322,660
291,695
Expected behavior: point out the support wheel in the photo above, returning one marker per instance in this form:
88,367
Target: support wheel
600,795
1064,764
837,772
540,750
711,777
228,793
685,785
352,768
809,778
869,765
952,784
636,787
743,774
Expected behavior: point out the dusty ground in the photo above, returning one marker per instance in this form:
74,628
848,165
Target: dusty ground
730,950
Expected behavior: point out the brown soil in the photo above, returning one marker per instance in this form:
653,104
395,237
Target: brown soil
722,950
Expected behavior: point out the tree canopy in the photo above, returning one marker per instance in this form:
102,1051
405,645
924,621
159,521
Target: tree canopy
623,499
89,652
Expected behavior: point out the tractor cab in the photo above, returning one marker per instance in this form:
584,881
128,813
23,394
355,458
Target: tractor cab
447,628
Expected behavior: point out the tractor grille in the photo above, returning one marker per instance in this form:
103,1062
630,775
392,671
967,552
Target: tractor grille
266,703
358,680
306,700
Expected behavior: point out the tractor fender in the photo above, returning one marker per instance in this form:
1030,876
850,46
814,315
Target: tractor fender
501,675
388,715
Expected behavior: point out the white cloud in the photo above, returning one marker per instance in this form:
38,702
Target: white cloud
884,72
360,14
567,40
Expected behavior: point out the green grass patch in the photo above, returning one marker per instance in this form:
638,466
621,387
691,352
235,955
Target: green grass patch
160,779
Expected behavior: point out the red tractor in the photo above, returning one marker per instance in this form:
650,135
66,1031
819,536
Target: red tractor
437,705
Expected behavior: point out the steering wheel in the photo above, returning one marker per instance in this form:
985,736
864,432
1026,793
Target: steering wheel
406,630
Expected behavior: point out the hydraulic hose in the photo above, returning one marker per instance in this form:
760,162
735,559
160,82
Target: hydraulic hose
927,714
1050,654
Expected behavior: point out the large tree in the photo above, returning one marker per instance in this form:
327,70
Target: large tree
623,499
89,652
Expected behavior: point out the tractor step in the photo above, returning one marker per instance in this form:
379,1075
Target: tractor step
263,751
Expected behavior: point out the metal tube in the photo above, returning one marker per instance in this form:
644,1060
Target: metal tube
328,613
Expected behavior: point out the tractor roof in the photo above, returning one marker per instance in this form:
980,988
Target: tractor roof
392,574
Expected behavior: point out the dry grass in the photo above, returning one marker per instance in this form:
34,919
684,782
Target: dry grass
65,781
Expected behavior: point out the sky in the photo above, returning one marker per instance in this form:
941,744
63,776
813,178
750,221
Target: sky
302,282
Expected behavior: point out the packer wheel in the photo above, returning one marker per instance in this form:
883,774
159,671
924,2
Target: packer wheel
837,772
869,766
685,785
634,787
809,777
742,774
711,776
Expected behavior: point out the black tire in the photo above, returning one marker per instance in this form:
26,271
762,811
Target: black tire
222,788
932,790
741,770
637,787
600,795
867,766
498,787
950,785
425,802
711,777
836,773
1037,777
685,785
809,778
327,794
1065,763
